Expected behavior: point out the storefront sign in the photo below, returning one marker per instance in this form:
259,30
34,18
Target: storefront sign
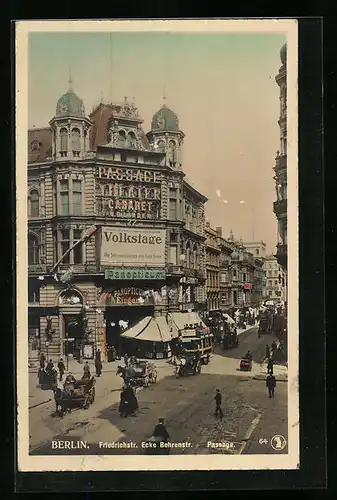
248,286
129,193
125,246
119,273
129,174
129,296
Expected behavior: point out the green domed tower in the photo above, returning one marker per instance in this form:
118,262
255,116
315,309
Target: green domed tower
70,127
165,136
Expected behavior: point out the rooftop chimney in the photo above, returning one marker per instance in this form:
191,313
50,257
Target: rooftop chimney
208,224
219,231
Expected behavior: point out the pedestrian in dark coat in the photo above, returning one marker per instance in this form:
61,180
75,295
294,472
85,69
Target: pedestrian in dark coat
98,363
50,366
42,361
61,368
218,400
86,371
161,431
271,384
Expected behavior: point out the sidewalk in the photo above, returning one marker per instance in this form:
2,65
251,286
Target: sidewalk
280,372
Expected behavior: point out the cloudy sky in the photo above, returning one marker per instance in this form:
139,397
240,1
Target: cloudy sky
221,85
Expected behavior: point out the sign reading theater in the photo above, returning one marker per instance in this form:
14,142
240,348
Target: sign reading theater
132,246
128,193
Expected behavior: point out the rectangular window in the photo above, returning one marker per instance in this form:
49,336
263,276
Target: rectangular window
78,251
173,255
65,245
77,197
33,291
64,197
173,209
244,277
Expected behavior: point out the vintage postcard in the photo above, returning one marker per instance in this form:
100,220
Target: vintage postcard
157,245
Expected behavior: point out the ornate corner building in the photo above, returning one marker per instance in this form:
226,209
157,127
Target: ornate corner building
280,168
148,255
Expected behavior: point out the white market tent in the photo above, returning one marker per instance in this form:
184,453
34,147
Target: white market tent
149,329
137,328
156,331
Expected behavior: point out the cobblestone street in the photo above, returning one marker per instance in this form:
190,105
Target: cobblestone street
250,419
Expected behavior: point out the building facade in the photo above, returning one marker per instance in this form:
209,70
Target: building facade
256,248
280,168
275,280
212,269
115,230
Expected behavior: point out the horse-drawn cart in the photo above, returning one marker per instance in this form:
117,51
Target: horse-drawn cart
138,374
75,394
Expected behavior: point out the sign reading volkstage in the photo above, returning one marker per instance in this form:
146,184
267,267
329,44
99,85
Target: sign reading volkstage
132,246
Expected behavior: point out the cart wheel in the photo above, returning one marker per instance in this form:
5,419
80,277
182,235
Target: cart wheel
93,395
199,368
86,402
154,377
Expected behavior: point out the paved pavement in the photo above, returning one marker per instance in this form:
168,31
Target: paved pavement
250,420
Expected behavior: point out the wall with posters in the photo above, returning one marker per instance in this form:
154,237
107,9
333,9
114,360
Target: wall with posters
132,246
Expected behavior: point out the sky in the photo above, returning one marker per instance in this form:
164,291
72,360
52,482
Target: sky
222,87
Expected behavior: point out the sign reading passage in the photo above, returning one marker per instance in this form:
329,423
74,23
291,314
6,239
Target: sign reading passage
120,273
135,246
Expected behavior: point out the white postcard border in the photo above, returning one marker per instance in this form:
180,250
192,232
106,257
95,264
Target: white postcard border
27,463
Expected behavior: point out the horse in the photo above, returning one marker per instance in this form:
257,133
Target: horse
61,399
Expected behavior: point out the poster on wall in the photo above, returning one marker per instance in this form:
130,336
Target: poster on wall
132,246
88,351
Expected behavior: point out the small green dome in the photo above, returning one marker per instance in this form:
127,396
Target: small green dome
283,54
165,119
70,104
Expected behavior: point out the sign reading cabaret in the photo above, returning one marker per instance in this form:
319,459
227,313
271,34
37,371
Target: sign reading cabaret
120,273
132,246
131,193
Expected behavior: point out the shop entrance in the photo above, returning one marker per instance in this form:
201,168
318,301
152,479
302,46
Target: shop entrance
120,318
73,331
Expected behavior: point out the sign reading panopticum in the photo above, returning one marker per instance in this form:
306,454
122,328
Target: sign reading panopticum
128,193
130,246
120,273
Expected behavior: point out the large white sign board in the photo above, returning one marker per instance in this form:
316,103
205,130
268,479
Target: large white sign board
132,246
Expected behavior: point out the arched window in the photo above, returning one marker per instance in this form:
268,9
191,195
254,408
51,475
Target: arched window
121,138
64,141
33,249
34,203
161,146
75,141
132,140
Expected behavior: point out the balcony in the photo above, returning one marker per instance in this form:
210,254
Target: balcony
282,255
280,208
172,270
